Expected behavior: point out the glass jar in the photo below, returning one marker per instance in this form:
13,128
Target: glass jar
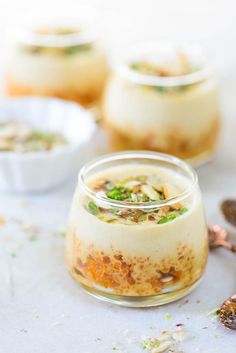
137,233
163,97
59,60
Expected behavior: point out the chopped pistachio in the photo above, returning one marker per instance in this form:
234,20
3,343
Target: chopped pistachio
166,219
134,189
119,193
32,237
141,178
183,210
20,137
168,316
93,208
214,312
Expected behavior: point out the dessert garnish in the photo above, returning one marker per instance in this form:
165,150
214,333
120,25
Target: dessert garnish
165,343
135,190
20,137
57,50
217,237
228,208
227,313
181,66
61,31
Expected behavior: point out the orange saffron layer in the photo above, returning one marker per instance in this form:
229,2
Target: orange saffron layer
136,275
86,98
176,143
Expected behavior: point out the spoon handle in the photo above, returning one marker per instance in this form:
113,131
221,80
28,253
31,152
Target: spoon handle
227,245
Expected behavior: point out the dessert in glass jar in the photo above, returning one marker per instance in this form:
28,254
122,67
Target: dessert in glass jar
164,98
137,234
63,61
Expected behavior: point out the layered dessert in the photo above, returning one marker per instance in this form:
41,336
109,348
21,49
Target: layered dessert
61,62
163,99
133,236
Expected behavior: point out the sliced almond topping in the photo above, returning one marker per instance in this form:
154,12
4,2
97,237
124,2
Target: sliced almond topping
179,335
166,279
164,211
155,182
131,184
176,206
165,191
150,192
163,347
2,221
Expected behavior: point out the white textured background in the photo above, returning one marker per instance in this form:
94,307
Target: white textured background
41,308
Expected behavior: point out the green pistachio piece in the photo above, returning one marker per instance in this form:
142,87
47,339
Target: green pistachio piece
166,219
183,210
119,193
93,208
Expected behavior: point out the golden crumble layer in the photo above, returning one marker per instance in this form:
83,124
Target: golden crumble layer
176,144
84,98
136,275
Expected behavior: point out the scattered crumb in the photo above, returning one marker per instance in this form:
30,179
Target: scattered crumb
179,335
61,233
216,336
151,328
32,237
24,203
29,228
56,323
168,316
2,221
214,312
165,343
183,303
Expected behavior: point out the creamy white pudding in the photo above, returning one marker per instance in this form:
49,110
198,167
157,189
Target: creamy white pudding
163,99
65,63
141,231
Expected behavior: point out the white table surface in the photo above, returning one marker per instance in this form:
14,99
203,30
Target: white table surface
42,310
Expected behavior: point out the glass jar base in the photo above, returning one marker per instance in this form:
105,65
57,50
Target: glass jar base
140,301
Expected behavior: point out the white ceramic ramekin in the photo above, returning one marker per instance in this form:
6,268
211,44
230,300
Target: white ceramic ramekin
38,171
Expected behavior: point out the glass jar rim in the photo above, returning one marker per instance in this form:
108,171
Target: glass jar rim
162,157
29,36
165,81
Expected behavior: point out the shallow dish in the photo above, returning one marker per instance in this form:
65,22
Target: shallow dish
37,171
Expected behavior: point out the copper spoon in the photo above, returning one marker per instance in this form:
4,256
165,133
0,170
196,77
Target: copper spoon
228,208
217,237
227,313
